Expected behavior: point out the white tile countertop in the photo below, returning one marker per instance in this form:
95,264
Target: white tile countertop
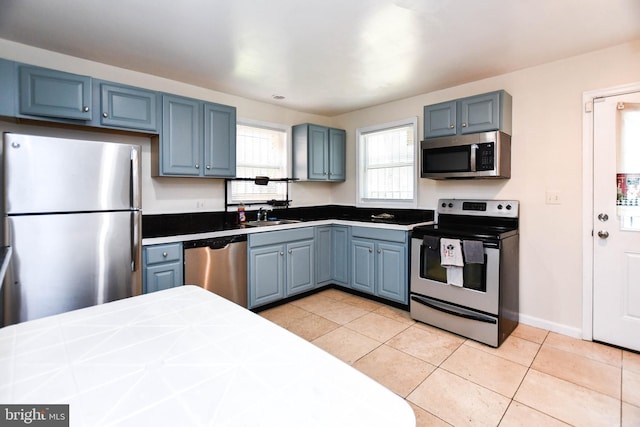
186,357
249,230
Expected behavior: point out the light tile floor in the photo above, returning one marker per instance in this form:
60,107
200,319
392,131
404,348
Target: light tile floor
536,377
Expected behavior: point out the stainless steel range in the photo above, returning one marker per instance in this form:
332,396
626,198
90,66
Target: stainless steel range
475,294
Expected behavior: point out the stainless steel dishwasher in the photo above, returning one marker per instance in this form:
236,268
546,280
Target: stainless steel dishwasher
218,265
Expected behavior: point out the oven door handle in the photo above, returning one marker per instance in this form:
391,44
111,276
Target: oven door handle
459,312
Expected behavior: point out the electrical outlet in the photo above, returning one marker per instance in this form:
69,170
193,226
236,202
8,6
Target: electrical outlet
200,204
553,198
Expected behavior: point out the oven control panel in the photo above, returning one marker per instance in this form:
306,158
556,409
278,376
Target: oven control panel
498,208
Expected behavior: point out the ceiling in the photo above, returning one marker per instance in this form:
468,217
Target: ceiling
324,56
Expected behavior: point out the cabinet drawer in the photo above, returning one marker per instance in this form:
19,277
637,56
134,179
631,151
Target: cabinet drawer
163,253
379,234
282,236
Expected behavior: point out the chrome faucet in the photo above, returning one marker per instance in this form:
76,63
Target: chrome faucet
262,215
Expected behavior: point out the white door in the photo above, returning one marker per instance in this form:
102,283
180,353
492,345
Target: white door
616,220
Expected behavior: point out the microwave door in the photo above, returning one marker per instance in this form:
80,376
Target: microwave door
447,159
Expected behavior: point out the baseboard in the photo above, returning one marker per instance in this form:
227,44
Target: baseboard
551,326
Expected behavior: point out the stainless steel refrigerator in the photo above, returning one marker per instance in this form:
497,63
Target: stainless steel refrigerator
73,220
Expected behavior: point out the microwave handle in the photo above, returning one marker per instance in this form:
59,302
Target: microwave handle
474,148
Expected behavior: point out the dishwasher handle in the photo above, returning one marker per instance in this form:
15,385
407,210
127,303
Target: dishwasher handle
215,243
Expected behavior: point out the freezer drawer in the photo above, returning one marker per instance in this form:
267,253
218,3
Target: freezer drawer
65,262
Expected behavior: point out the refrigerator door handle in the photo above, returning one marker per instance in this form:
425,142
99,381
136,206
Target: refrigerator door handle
135,238
135,179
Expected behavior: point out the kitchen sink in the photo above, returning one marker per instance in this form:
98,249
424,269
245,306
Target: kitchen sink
272,222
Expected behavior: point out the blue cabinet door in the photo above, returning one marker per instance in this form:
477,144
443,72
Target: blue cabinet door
128,107
318,153
219,140
160,277
300,267
440,119
162,267
8,88
323,237
391,274
266,274
340,254
181,137
337,154
51,93
480,113
363,265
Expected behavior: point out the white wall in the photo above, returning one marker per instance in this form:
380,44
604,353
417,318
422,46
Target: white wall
546,145
546,155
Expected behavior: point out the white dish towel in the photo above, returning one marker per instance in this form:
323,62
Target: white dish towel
451,259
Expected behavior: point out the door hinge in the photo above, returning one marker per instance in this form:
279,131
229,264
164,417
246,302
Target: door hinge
588,107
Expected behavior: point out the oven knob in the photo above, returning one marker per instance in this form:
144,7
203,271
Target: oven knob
450,205
444,205
508,207
499,207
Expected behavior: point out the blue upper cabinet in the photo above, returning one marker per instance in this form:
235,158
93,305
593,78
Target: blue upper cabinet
8,88
198,138
318,153
127,107
219,140
479,113
55,94
440,119
337,153
181,139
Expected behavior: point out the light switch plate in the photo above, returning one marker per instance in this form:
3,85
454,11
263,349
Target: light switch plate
553,198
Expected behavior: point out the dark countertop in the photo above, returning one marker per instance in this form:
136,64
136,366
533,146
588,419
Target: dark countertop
164,225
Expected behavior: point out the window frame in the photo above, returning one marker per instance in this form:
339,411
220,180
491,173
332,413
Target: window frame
360,163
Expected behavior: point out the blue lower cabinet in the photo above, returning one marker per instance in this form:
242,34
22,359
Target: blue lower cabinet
266,274
281,264
379,267
162,267
363,265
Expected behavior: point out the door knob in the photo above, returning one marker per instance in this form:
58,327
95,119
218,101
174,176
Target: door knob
603,234
603,217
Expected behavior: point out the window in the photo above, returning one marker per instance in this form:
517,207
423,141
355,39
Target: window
387,164
261,150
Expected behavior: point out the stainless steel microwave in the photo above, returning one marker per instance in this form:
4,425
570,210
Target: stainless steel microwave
477,155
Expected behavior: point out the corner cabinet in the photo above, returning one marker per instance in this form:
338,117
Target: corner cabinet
380,262
55,94
319,153
198,139
479,113
162,267
332,261
281,264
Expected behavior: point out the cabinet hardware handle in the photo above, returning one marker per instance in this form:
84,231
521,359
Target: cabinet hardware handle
197,166
451,126
105,115
208,166
370,250
85,109
464,125
290,251
281,253
379,251
164,254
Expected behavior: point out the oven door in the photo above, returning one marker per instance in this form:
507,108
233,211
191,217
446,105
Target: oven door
481,281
